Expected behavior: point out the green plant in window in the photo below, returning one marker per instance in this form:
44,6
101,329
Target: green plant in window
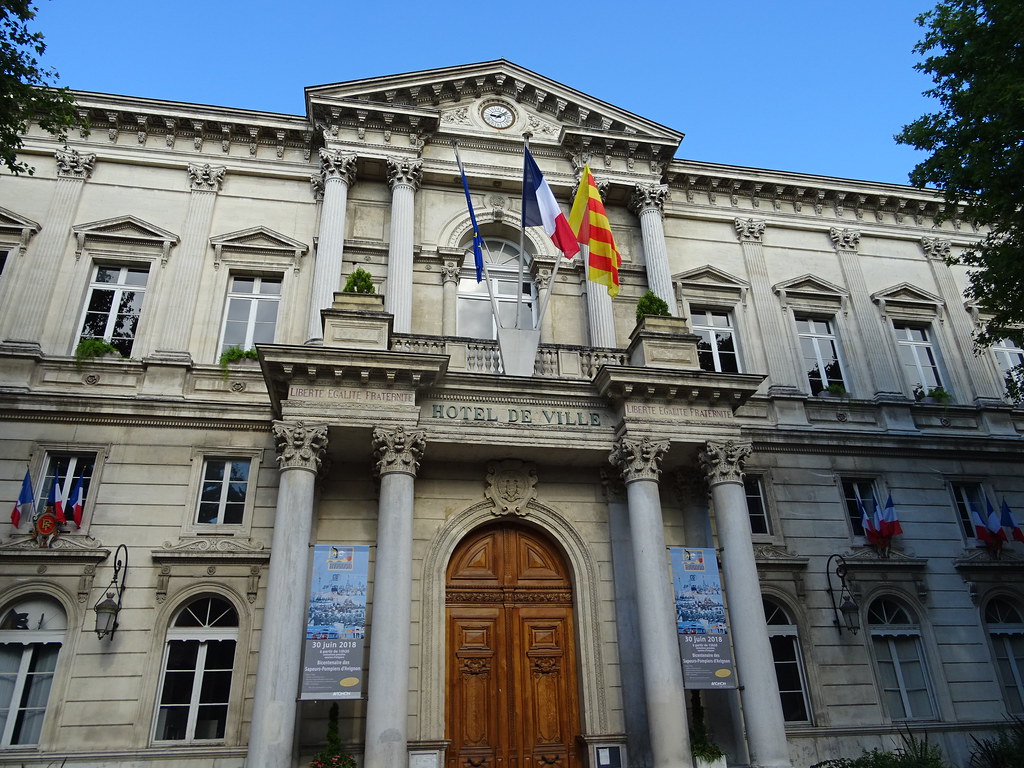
939,394
87,349
651,304
701,745
233,355
332,755
836,389
359,282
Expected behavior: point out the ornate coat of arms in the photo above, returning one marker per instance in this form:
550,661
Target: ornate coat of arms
511,485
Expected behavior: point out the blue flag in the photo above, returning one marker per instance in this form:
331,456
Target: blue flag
478,255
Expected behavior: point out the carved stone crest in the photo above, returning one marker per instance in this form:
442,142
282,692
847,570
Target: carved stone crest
511,486
300,445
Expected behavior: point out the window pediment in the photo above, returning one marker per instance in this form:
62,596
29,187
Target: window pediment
16,229
124,230
257,246
710,285
812,293
908,301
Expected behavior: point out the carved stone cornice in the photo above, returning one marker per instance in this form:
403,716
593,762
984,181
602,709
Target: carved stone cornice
936,248
397,450
749,230
647,197
335,164
405,170
638,459
844,239
71,164
723,462
206,177
300,445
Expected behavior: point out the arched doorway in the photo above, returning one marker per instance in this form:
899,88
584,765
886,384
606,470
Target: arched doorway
511,695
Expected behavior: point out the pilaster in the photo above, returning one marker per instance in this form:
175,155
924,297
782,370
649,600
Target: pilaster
404,176
648,202
450,273
338,170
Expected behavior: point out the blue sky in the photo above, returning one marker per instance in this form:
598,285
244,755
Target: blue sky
812,86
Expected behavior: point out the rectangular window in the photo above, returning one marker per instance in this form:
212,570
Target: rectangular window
1008,355
968,496
820,352
716,349
918,357
225,485
26,673
114,304
251,314
63,470
903,676
760,522
859,491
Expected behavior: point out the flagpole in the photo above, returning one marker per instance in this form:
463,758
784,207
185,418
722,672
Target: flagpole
522,233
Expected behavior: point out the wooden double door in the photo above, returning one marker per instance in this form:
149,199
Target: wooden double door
511,665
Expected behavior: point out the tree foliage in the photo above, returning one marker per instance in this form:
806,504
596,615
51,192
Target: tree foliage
26,87
974,51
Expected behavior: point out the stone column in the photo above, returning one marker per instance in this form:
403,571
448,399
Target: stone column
404,176
774,333
300,449
338,170
876,348
639,461
387,698
26,317
599,312
973,379
762,707
649,204
182,285
542,277
450,272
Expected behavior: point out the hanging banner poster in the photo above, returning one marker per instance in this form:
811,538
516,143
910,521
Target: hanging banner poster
332,661
700,619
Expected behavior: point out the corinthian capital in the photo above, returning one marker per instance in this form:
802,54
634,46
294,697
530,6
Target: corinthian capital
647,197
397,450
749,230
405,170
844,239
206,178
723,462
300,445
71,164
935,248
335,164
638,459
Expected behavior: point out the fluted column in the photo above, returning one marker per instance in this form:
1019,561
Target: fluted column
404,176
542,277
649,204
762,707
185,272
338,170
450,272
398,456
639,461
300,449
766,307
974,379
876,350
25,317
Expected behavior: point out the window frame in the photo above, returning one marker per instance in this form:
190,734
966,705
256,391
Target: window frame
815,338
790,630
41,467
1014,662
962,508
856,526
255,300
712,340
759,478
93,284
200,456
890,633
931,344
497,274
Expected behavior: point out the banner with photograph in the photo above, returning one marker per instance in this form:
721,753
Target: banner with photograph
700,619
332,661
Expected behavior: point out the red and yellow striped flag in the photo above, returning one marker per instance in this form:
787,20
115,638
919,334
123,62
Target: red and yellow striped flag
589,223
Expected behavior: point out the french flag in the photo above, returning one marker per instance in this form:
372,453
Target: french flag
53,500
1007,521
25,502
75,502
890,522
541,210
867,522
982,531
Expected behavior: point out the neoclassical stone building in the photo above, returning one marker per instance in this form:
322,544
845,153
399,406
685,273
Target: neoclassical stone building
519,601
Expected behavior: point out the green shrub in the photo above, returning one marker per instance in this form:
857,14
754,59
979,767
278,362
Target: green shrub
332,756
915,753
90,348
650,304
700,739
1004,750
359,282
234,354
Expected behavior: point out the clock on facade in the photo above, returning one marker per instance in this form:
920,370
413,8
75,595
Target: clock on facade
498,116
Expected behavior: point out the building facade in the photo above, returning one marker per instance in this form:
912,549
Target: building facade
817,361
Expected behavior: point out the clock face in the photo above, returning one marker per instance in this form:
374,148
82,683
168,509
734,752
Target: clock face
498,116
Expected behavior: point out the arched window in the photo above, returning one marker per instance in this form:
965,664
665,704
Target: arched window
789,664
475,316
198,662
896,638
1005,626
31,633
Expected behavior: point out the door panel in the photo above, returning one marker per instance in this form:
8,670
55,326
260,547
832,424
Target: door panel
512,689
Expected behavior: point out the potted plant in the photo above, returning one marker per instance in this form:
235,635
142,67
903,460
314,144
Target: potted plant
332,755
234,355
835,389
651,304
932,395
88,349
705,751
359,282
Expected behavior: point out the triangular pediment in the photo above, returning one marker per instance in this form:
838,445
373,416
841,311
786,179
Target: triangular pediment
908,296
125,228
810,285
710,276
12,222
453,99
711,286
258,239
